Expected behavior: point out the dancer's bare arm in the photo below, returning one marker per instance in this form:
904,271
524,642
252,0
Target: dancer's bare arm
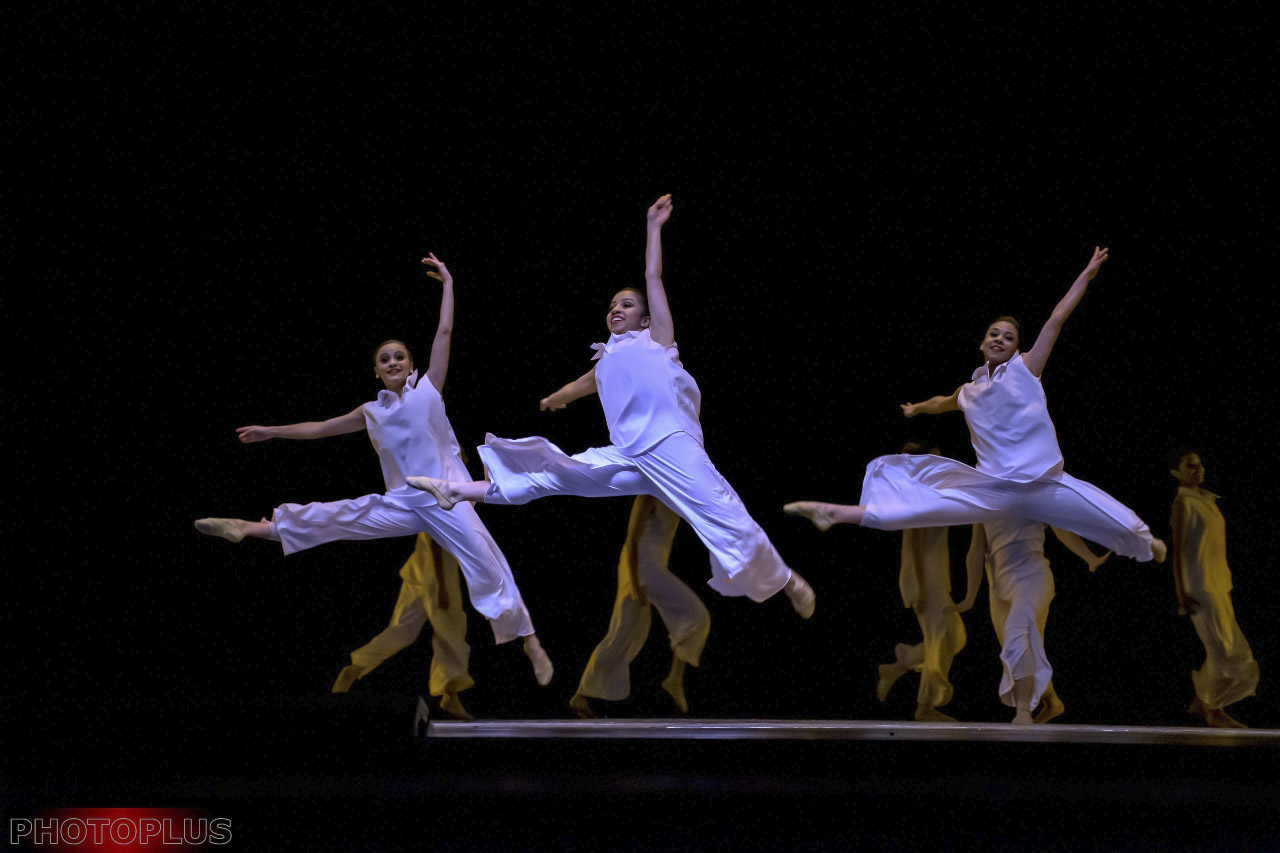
1038,356
661,326
973,563
934,405
577,389
352,421
1077,546
438,367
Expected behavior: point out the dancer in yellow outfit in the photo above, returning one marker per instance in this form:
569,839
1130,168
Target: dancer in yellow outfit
430,592
644,582
925,583
1203,584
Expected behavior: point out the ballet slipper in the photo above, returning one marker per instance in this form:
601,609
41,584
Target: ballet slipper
451,704
230,529
346,678
1197,708
435,487
1159,550
1218,719
802,596
674,685
1023,718
542,668
581,707
1051,707
887,676
930,714
815,512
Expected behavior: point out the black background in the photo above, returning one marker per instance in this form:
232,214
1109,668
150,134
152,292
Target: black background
220,216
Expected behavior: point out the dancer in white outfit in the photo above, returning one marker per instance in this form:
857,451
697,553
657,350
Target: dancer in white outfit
411,434
430,593
651,406
645,584
1019,464
1011,550
1203,584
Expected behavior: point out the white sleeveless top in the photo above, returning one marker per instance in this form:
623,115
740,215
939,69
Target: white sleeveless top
412,437
646,393
1009,423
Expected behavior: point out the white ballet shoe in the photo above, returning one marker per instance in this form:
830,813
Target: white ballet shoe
432,485
802,596
230,529
811,510
542,667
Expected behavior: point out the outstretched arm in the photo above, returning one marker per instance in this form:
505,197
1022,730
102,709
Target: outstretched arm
352,421
1036,359
438,367
934,405
973,563
1077,546
661,327
578,388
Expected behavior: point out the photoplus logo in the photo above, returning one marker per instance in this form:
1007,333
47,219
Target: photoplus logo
120,830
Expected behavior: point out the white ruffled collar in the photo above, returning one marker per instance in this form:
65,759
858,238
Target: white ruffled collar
608,345
999,371
388,398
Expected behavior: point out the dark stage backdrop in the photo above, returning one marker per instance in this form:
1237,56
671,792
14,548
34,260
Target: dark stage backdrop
229,216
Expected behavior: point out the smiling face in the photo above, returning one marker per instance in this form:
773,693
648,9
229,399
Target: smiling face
1000,342
1190,470
392,364
628,312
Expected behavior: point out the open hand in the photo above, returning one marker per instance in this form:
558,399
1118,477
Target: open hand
1099,258
443,272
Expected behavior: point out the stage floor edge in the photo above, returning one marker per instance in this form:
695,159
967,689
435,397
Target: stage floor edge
687,729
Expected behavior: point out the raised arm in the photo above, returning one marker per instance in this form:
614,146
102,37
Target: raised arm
973,563
661,327
1077,546
934,405
1038,356
578,388
352,421
438,367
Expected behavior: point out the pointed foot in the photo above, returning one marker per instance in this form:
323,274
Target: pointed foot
818,513
542,668
230,529
674,685
582,707
438,489
1050,709
929,714
887,674
451,704
802,596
